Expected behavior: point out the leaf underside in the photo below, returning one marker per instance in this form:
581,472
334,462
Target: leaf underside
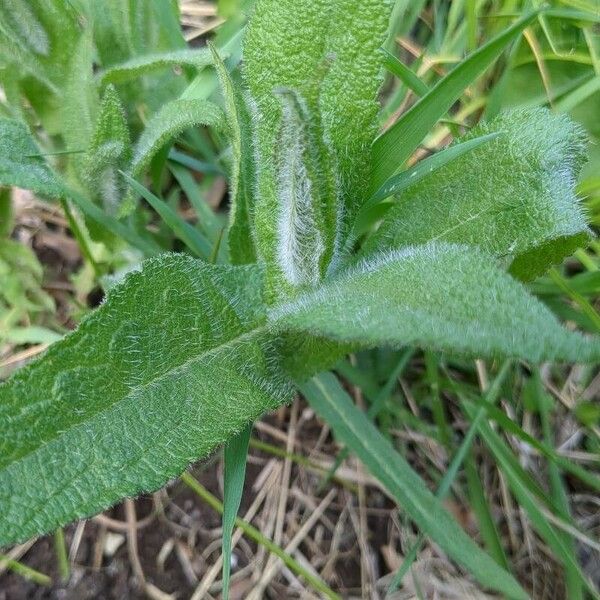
174,363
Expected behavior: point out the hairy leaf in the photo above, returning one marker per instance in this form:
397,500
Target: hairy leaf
327,53
142,65
173,118
175,362
20,162
508,196
18,15
240,239
440,296
393,147
109,152
79,104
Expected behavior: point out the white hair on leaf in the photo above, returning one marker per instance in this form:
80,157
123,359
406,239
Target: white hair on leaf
300,243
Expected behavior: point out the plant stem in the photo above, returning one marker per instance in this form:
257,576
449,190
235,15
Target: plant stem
79,236
25,571
61,554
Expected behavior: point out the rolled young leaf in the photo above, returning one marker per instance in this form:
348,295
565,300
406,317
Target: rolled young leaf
510,196
326,52
438,295
174,362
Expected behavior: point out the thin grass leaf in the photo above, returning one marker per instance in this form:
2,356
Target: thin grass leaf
91,210
521,485
208,221
490,397
314,580
392,148
351,427
25,571
573,585
377,405
481,508
404,73
509,426
426,167
189,235
235,456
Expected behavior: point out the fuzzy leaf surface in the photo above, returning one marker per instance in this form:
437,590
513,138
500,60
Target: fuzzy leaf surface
110,151
175,362
142,65
239,239
508,196
171,120
441,296
20,163
327,53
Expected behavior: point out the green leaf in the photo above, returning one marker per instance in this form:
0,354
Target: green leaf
392,148
234,473
353,428
175,362
424,168
189,235
517,479
109,151
18,15
326,53
440,296
171,120
406,75
111,224
79,103
241,243
142,65
20,162
510,196
6,212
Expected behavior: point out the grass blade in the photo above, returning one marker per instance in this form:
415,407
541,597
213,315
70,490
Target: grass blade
572,583
235,454
25,571
392,148
402,72
111,224
189,235
353,428
481,509
425,167
254,534
490,397
520,485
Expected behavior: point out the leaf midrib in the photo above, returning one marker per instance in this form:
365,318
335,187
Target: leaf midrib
137,388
